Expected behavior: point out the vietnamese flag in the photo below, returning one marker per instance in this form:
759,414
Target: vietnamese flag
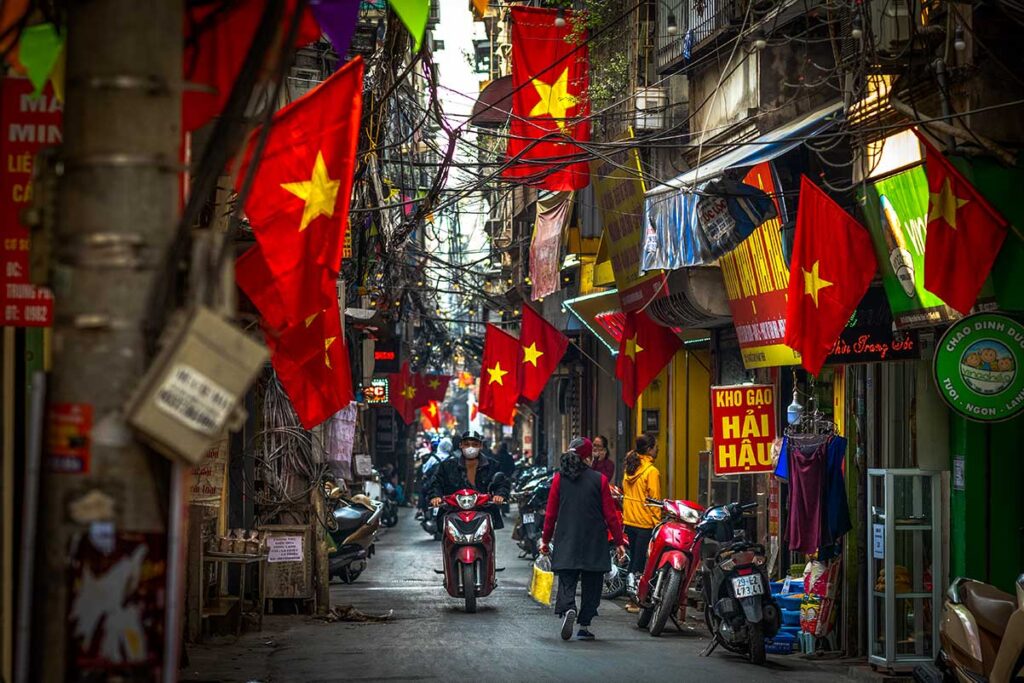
500,375
404,393
434,387
964,233
646,347
431,414
543,346
832,266
550,109
298,204
311,362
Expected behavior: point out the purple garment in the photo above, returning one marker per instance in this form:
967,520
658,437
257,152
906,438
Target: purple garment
807,467
338,19
605,467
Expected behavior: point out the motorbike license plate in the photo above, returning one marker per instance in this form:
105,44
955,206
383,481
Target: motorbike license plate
528,518
745,586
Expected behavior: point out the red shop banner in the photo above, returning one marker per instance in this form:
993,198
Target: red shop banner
743,427
29,123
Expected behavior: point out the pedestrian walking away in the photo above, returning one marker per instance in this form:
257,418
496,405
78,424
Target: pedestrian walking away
640,482
601,460
580,515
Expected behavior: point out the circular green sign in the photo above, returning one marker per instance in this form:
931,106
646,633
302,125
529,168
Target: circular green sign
978,367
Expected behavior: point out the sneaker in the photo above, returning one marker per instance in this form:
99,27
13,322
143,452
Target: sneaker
632,607
567,623
584,634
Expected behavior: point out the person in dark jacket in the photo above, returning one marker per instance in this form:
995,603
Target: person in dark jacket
506,463
468,468
602,461
580,515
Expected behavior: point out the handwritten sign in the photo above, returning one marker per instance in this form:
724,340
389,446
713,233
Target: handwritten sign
743,418
284,549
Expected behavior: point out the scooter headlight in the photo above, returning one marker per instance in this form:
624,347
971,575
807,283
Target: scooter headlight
474,536
689,515
466,502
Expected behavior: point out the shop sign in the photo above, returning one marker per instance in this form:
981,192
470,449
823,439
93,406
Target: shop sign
376,393
743,419
896,214
978,367
756,282
29,123
619,188
869,336
69,438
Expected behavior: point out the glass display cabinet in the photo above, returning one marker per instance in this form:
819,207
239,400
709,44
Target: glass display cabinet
904,567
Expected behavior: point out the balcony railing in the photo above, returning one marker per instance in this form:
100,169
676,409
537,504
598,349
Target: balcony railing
698,22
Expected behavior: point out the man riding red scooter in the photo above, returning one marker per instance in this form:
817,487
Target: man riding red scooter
469,489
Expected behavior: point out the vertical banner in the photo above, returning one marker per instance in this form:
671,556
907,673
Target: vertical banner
743,428
553,211
619,188
29,123
756,281
896,215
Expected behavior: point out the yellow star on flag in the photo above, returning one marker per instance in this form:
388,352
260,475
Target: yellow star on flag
814,283
433,409
435,383
409,391
327,349
944,205
319,193
531,354
496,374
632,348
555,99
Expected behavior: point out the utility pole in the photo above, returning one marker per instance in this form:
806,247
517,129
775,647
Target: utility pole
117,206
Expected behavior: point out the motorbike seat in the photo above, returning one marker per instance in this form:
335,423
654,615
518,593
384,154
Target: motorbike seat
990,606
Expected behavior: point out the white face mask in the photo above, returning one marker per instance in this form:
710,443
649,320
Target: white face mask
471,452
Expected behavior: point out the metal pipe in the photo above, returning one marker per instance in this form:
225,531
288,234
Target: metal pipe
947,109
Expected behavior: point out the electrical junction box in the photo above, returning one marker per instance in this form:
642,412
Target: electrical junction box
194,389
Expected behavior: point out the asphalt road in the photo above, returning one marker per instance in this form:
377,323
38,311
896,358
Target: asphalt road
429,638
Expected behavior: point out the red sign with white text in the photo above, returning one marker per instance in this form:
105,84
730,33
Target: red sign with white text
743,427
28,124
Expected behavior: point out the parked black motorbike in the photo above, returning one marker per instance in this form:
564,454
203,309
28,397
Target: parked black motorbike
532,504
389,515
352,525
738,604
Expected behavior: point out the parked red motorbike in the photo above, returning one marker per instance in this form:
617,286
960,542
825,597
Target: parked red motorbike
672,559
468,546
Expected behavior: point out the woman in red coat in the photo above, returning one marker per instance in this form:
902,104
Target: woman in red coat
601,460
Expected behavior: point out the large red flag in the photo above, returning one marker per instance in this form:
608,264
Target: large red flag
298,205
500,375
964,234
550,109
217,38
404,393
311,362
645,349
832,266
542,349
434,387
430,415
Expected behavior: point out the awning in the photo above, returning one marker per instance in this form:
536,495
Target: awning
493,106
600,313
765,148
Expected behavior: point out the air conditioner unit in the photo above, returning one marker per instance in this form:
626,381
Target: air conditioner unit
651,103
891,24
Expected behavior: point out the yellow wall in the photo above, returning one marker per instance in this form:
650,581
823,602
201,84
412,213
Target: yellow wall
684,386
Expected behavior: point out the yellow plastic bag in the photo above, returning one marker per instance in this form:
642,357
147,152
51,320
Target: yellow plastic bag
542,581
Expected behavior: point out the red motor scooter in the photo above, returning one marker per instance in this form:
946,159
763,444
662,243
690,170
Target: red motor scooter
672,559
468,546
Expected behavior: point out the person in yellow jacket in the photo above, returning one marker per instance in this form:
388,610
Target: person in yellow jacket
640,481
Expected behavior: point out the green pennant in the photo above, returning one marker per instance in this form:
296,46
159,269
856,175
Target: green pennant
413,14
39,50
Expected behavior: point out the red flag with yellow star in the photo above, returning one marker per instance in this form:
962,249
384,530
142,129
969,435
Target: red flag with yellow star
311,362
430,415
404,393
433,387
550,110
299,200
542,349
964,234
833,263
646,347
500,375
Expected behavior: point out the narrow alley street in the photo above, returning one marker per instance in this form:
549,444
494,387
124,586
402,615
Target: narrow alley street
511,638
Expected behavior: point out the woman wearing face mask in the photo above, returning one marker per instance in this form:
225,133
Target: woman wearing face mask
601,458
640,482
468,468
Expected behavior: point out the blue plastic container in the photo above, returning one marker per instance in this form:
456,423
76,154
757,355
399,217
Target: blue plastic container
790,602
782,644
777,586
791,617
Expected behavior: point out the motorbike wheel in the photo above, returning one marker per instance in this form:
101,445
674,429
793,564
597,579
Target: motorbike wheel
614,586
667,602
757,651
644,617
469,588
349,575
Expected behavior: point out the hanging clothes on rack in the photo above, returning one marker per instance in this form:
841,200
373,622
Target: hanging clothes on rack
819,515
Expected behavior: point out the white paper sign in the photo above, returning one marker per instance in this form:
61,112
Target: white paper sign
362,464
284,549
195,400
959,480
878,541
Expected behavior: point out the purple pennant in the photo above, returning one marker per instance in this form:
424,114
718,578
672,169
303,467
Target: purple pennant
338,19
